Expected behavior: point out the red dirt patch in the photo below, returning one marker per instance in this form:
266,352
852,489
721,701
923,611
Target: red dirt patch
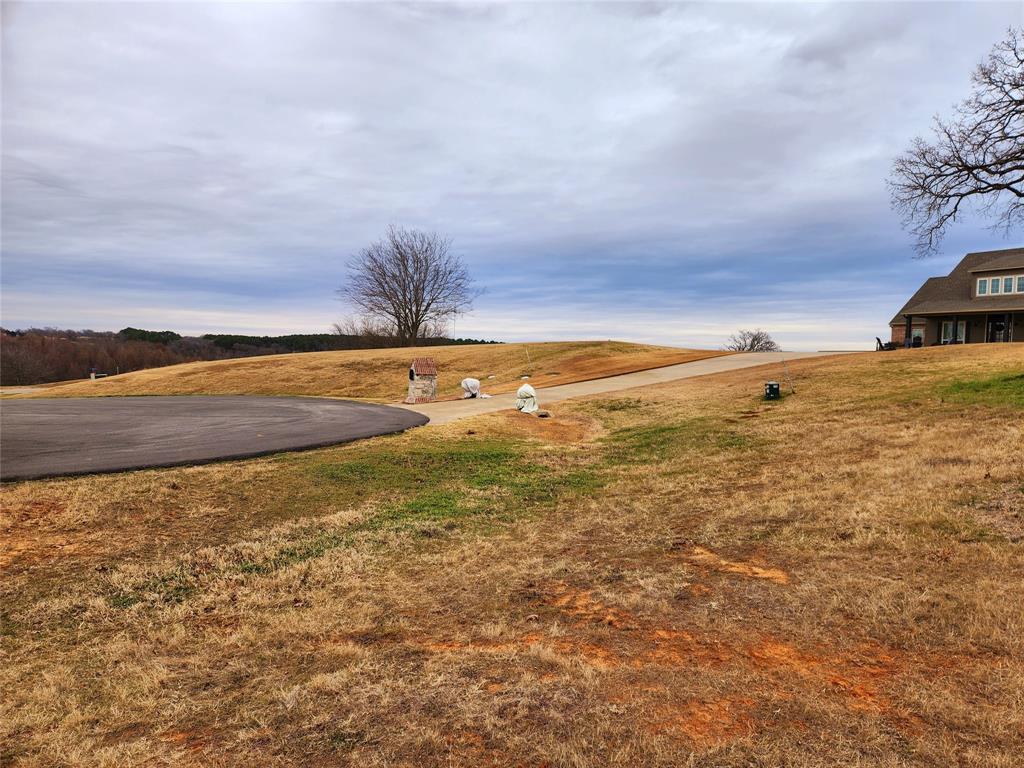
772,654
23,537
708,559
190,741
675,648
479,646
855,678
471,748
37,547
707,723
581,605
567,428
592,654
589,653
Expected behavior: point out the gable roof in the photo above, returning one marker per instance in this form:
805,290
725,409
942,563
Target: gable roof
952,294
1013,259
424,366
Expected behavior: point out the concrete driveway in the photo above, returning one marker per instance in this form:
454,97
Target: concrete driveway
450,410
72,436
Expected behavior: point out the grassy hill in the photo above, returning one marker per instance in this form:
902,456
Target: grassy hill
382,374
679,575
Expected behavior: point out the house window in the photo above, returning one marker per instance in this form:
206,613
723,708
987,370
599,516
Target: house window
1007,285
1020,283
995,285
982,287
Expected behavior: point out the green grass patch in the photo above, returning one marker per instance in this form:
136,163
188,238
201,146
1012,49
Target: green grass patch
345,740
423,490
437,505
172,587
964,530
643,444
516,489
619,404
314,545
412,468
444,481
1001,391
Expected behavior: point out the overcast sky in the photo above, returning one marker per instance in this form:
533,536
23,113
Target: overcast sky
663,173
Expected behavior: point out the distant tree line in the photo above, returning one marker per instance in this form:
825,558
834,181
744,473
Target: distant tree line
41,355
317,342
138,334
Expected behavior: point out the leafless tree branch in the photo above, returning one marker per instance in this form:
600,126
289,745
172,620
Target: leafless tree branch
976,159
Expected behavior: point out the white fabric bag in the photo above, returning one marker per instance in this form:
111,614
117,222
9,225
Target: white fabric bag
526,399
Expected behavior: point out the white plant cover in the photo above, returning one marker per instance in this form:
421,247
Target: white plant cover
526,399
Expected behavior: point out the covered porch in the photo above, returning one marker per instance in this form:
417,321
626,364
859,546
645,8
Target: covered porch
964,328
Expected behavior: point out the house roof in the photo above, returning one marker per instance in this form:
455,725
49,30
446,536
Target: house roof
424,366
952,294
1013,259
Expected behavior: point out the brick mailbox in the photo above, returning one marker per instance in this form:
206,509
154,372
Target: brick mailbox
422,380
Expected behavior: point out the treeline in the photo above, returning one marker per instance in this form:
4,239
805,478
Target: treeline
41,355
317,342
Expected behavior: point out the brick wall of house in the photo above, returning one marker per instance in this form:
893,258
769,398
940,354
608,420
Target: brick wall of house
899,332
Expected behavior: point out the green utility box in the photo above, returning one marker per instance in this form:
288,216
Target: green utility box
771,390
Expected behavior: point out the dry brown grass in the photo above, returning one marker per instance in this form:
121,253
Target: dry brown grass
381,374
683,575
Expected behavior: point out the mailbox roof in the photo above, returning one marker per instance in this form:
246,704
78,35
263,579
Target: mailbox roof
424,366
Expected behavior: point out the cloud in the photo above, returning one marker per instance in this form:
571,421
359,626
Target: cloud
592,162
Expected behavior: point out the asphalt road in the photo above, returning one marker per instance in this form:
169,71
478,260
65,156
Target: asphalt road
73,436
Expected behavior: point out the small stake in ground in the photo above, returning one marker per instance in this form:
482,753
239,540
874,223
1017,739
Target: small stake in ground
789,381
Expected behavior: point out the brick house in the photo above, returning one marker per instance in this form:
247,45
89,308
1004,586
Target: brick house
981,300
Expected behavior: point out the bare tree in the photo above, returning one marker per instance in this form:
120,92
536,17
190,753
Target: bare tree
410,281
751,341
976,159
